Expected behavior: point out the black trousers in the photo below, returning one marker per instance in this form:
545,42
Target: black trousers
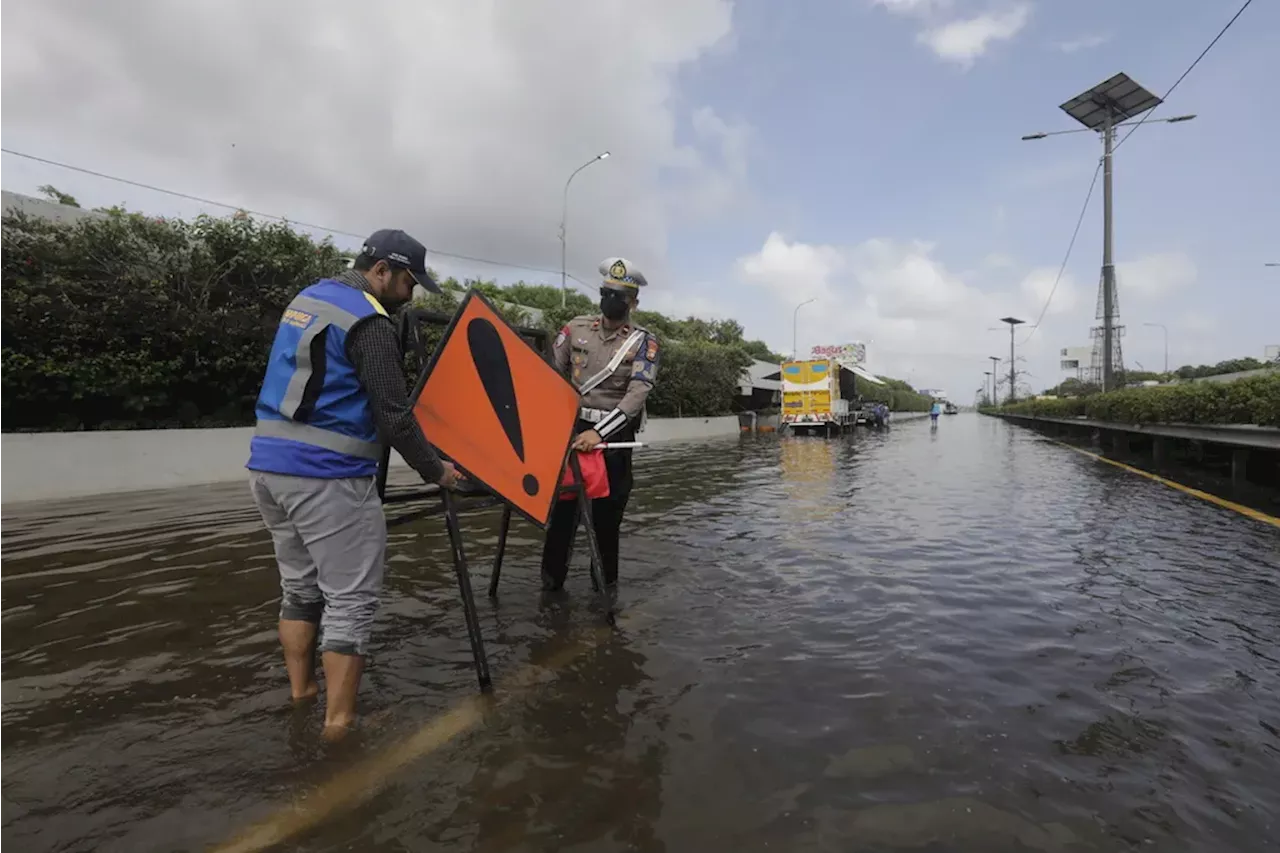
605,512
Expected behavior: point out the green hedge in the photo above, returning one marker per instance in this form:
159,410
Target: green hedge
1255,400
129,322
896,394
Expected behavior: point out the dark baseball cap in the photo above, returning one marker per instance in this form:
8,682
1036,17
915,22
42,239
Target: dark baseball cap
402,251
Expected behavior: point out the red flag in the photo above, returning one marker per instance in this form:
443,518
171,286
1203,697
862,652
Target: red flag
593,472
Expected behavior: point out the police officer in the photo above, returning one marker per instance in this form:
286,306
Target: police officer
333,393
613,363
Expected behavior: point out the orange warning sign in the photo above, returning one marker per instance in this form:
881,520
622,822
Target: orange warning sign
498,410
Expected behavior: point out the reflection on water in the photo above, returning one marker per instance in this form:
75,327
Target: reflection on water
966,639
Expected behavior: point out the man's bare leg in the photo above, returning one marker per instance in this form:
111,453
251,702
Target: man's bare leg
298,639
342,683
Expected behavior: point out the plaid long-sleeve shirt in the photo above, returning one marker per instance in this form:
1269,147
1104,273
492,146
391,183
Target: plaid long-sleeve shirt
374,349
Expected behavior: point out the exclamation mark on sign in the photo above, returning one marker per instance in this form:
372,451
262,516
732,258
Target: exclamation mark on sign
490,358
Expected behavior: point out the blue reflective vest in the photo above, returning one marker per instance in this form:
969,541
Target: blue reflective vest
314,417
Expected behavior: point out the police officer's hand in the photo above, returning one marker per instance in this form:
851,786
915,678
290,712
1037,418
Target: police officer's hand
587,440
450,477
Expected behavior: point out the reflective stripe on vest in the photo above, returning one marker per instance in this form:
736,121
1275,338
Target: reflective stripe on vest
329,315
295,431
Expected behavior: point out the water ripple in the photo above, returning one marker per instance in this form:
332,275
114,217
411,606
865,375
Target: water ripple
968,639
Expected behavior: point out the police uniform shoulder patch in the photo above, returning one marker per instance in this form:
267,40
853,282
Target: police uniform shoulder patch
562,337
651,349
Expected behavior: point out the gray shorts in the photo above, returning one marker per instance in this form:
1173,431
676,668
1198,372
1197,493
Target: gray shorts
331,544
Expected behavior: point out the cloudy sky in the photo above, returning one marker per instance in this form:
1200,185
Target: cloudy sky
862,153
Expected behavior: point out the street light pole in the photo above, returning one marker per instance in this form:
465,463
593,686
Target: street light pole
1166,342
1108,266
1013,366
995,363
795,315
1112,104
564,216
988,374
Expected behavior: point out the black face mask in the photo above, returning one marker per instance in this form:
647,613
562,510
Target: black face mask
614,304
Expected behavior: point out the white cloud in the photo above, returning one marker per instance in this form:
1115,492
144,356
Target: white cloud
1083,43
684,303
959,39
1155,276
716,181
894,294
1039,284
459,123
792,271
921,319
913,7
963,41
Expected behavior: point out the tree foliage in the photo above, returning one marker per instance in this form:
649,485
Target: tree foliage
52,193
899,396
1233,365
126,321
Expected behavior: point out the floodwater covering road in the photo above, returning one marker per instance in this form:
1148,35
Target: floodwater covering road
968,639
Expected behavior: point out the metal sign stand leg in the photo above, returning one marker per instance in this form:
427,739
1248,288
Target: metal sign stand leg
464,586
502,547
584,519
597,564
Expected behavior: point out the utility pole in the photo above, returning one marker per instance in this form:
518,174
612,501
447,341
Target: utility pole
1013,322
1104,109
564,217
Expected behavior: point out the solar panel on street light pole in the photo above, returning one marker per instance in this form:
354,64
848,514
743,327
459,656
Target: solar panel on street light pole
1115,100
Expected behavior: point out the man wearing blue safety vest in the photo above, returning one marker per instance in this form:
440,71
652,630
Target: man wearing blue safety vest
333,395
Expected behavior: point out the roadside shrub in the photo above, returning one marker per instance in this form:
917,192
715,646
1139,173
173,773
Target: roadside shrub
1254,400
123,321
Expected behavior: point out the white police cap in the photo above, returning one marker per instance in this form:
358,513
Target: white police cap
620,272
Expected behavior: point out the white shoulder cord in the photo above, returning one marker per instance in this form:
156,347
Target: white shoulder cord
590,384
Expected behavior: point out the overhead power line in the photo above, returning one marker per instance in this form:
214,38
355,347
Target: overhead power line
1084,209
272,216
1190,67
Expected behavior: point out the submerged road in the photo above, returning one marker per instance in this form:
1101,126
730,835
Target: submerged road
968,639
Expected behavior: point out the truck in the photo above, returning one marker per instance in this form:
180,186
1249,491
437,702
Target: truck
811,397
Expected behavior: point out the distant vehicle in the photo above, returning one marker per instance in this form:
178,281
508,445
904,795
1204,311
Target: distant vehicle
811,399
950,408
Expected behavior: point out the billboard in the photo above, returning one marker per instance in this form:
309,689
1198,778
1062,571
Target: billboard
847,355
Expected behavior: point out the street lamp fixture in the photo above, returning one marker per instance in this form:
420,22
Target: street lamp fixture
1122,126
795,315
564,216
